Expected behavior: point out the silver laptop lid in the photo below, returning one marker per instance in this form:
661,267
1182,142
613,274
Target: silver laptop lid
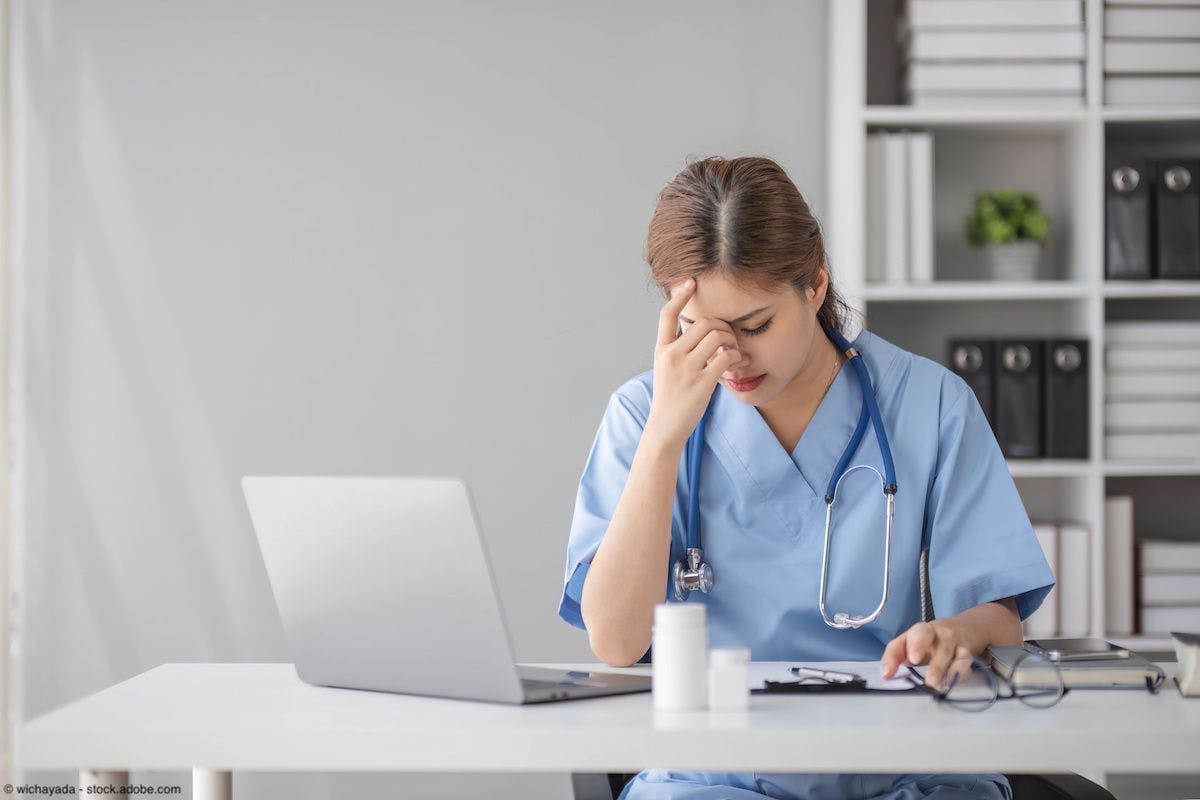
383,583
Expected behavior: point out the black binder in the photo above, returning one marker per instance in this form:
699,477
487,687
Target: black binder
1177,212
974,360
1019,397
1127,202
1065,396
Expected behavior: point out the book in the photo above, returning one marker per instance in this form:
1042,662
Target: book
1171,588
1158,23
1161,385
1118,564
1074,569
1168,556
1047,76
1132,671
1057,101
920,207
925,44
1009,14
1044,621
1156,332
1158,620
895,208
876,250
1128,215
1065,403
1142,56
1131,90
1177,218
1019,421
1174,448
1142,357
1187,654
1153,414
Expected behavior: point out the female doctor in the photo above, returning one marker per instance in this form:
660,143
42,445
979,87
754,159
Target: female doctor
734,246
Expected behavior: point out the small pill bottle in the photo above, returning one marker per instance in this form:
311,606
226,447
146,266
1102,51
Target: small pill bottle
679,655
728,676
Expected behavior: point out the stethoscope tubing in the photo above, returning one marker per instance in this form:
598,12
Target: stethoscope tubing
869,413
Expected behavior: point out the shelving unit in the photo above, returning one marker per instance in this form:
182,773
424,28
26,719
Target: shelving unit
1062,152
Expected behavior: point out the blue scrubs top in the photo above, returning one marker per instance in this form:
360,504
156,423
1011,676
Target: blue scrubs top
763,521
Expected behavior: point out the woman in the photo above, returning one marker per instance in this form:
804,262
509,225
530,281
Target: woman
735,248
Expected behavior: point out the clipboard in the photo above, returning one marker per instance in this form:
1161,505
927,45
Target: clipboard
850,687
826,682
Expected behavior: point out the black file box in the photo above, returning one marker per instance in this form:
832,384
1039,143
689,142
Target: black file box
1065,384
1019,423
974,360
1127,201
1177,217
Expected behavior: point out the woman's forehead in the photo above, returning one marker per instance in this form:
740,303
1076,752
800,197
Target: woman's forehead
718,297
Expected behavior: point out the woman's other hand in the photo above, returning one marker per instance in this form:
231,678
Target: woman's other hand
939,644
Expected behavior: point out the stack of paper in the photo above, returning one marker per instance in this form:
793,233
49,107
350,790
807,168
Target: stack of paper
1170,586
1151,53
1066,610
899,209
1152,392
1118,566
968,53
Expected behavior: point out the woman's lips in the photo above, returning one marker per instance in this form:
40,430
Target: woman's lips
747,385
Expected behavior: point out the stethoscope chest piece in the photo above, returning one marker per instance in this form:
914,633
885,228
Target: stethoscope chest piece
693,575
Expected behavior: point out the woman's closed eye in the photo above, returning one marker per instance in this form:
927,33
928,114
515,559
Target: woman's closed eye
683,326
756,331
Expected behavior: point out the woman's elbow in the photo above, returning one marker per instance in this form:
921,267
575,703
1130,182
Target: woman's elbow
615,653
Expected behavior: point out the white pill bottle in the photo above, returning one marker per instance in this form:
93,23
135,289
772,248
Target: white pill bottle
728,679
679,654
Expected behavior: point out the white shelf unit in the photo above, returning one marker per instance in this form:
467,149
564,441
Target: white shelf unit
1061,155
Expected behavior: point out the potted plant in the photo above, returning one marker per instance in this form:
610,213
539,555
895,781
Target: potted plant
1010,227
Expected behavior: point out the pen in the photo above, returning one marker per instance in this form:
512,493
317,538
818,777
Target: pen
826,674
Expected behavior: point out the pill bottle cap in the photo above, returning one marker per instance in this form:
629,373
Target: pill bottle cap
680,615
728,656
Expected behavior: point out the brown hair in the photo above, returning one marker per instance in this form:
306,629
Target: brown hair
745,218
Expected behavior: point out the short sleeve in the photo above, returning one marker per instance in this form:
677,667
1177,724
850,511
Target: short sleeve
982,546
600,488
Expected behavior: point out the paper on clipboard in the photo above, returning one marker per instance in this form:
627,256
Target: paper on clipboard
778,671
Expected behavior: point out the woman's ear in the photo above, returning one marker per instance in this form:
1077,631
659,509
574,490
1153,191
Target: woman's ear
820,285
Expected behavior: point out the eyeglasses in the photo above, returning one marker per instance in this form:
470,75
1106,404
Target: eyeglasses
972,686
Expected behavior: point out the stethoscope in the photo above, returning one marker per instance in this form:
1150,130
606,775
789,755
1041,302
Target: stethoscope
694,573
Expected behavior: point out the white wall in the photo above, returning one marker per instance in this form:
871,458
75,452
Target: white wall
351,237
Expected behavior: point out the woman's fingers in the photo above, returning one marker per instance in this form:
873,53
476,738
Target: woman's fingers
939,664
702,354
696,332
893,655
721,361
921,638
668,318
961,668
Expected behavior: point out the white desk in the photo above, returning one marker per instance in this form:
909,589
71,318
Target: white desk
216,718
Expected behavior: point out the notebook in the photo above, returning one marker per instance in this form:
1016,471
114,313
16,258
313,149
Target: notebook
1106,671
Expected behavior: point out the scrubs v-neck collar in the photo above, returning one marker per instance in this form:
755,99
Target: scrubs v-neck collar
755,458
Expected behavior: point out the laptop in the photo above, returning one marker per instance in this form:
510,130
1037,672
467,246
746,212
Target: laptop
384,584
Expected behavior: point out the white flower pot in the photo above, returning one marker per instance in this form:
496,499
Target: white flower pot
1013,261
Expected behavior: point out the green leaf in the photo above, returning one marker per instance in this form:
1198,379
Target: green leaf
1006,215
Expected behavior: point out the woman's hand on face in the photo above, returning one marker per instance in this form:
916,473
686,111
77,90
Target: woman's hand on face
687,367
938,644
